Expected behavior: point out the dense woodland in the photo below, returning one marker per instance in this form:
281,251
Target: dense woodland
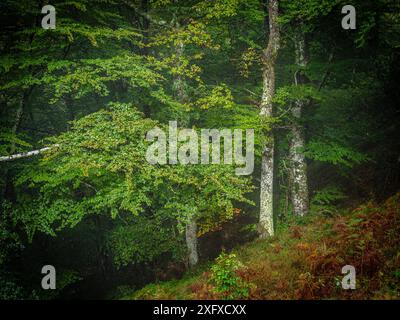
76,190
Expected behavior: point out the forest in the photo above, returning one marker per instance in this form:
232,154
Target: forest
199,149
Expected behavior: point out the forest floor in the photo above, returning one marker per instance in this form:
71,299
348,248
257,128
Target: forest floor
303,261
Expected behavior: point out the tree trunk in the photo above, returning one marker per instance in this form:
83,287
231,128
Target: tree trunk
191,227
179,82
266,223
18,118
298,167
191,242
7,189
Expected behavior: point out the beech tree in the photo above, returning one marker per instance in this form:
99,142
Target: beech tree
77,101
298,165
266,111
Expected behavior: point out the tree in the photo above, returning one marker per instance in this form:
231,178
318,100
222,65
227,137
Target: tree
179,86
77,101
266,111
100,168
298,165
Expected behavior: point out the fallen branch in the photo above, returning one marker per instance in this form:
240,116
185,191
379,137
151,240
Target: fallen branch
26,154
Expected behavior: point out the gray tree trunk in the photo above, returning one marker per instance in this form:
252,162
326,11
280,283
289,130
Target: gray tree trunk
179,82
266,221
298,166
191,226
191,242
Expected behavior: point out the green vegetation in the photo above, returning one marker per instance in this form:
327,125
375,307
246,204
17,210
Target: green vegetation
77,191
303,261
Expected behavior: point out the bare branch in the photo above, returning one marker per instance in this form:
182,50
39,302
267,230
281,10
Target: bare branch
26,154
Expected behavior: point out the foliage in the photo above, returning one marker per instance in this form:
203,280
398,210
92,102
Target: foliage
99,167
325,200
65,278
9,290
225,279
112,70
143,241
305,260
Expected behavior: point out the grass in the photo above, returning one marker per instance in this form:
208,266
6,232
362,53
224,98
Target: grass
305,258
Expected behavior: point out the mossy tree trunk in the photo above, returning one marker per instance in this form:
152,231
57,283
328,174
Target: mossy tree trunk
266,221
191,226
298,165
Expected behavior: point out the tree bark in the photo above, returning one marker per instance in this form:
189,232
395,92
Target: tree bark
179,82
191,226
26,154
266,221
298,165
191,242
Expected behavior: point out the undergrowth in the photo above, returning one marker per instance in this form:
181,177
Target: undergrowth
304,261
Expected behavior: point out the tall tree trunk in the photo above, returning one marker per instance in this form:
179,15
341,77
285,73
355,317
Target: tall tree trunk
266,222
298,166
191,227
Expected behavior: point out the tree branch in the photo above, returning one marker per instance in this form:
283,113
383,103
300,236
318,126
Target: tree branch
26,154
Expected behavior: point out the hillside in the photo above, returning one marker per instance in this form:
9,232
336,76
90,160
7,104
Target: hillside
303,261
